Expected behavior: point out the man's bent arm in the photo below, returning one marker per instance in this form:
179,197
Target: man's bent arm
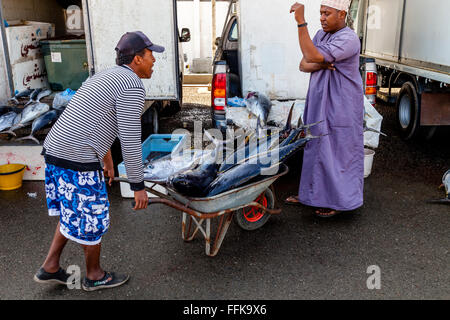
313,67
309,50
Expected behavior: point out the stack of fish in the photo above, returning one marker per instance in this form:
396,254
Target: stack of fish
248,162
35,114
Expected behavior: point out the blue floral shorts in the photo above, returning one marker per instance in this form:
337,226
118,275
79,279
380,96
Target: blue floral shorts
81,202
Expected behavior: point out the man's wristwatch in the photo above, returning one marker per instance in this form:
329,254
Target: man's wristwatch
302,25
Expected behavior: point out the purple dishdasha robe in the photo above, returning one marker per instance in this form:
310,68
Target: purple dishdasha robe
333,165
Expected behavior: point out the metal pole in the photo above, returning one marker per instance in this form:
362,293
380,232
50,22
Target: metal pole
197,30
6,51
213,26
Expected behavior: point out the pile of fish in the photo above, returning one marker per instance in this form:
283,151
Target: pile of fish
34,113
213,171
206,174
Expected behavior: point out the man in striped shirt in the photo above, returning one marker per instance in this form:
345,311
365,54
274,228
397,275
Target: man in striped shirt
77,155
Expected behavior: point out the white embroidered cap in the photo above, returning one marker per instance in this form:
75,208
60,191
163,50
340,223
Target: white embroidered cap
337,4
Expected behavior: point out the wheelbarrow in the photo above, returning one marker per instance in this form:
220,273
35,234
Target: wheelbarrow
251,205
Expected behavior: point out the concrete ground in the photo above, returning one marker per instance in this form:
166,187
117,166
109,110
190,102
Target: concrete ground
294,256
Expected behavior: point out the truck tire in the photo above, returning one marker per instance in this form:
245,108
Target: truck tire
251,218
174,106
408,114
150,121
155,121
408,111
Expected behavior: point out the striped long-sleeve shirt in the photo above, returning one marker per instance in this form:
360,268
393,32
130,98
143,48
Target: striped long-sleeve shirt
108,105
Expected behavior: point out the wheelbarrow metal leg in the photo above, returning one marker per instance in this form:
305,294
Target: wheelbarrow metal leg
186,235
221,232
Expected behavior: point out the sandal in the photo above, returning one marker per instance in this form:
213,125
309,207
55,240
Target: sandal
293,201
326,213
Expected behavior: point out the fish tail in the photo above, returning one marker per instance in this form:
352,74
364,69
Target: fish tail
30,137
300,122
375,131
14,99
310,136
311,125
10,132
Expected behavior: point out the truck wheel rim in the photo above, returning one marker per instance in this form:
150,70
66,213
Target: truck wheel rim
253,214
405,112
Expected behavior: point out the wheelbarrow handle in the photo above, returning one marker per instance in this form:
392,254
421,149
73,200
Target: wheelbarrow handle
150,201
439,201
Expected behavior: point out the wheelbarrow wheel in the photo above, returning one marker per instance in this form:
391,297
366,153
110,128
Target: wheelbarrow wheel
252,218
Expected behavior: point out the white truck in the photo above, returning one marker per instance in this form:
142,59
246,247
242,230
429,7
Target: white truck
259,51
405,45
106,21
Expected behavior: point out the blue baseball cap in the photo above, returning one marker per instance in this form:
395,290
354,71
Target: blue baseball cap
133,42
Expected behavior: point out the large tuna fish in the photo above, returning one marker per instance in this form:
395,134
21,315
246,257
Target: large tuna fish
253,167
6,109
254,145
37,95
28,115
259,105
194,182
22,94
7,120
41,122
161,169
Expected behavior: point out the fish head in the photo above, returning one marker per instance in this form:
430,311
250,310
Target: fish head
252,94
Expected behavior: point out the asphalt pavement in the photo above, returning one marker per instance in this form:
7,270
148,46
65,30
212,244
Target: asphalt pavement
395,247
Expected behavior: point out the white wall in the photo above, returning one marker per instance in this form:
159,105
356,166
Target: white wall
270,52
4,84
200,45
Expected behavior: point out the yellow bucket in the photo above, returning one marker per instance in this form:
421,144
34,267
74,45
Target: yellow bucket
11,176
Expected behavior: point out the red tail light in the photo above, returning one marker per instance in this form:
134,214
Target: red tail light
219,91
371,86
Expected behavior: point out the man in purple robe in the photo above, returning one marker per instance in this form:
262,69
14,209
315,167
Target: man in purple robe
332,176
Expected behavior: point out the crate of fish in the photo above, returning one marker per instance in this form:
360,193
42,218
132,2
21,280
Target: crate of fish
156,146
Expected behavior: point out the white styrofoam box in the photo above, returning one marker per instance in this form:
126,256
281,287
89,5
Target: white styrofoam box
73,16
28,155
201,65
27,63
29,74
